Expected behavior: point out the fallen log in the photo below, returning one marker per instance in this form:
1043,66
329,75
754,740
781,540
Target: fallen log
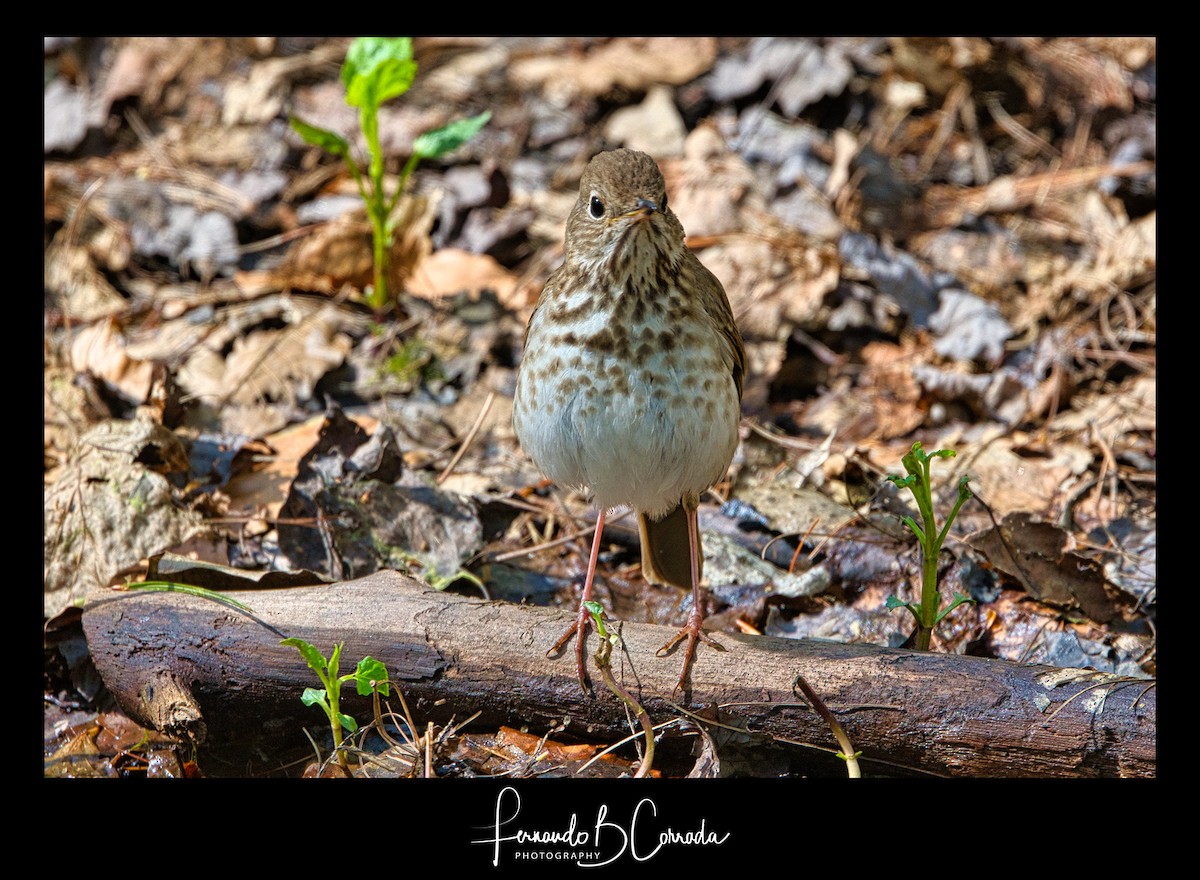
192,666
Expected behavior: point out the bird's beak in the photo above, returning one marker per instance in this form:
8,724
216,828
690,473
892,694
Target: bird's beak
644,209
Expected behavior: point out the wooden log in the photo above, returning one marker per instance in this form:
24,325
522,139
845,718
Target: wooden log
451,655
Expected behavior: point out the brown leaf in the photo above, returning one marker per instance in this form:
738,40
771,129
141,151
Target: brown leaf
340,252
633,63
653,126
450,271
1012,482
101,350
276,365
1037,555
709,186
110,508
80,288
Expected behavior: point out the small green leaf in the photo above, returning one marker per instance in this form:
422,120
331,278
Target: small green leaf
449,137
314,658
912,524
389,80
597,611
347,722
371,670
377,69
958,599
320,137
964,490
335,659
440,582
315,697
367,53
902,482
913,607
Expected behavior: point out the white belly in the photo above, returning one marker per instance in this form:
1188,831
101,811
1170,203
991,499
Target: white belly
646,441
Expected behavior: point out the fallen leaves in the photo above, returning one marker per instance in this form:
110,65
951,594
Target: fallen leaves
1039,556
632,63
111,506
910,252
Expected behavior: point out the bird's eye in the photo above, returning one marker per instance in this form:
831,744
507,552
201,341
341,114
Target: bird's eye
596,208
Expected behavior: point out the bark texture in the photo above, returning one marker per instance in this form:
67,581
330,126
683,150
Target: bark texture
202,669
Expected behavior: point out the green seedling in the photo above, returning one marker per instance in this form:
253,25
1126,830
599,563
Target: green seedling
370,677
376,70
927,612
608,641
428,571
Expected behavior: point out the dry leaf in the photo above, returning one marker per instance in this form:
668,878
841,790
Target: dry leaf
633,63
110,508
340,252
1134,407
450,271
100,349
709,186
653,126
81,290
1011,482
1037,555
969,328
771,285
64,116
276,365
803,70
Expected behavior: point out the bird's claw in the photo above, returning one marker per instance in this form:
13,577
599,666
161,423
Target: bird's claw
578,629
693,633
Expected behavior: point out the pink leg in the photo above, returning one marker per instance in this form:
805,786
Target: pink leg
579,627
692,630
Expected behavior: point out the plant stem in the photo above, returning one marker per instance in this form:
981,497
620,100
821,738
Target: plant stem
603,655
847,754
380,295
333,690
377,209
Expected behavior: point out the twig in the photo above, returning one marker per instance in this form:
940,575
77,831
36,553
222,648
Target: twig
1017,131
429,750
949,113
483,411
847,753
563,539
614,746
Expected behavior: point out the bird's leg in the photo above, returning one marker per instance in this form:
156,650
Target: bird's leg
692,630
579,627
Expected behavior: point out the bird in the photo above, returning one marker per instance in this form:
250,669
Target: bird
630,382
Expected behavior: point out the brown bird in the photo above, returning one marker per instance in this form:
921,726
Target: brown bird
630,385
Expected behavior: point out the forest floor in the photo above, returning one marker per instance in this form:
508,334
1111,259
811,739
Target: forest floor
943,241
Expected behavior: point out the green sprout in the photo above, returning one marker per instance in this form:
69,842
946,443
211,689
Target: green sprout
608,641
376,70
370,677
927,612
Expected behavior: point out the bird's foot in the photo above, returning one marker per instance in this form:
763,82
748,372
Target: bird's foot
578,629
693,633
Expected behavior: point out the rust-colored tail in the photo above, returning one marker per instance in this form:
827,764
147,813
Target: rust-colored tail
665,549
